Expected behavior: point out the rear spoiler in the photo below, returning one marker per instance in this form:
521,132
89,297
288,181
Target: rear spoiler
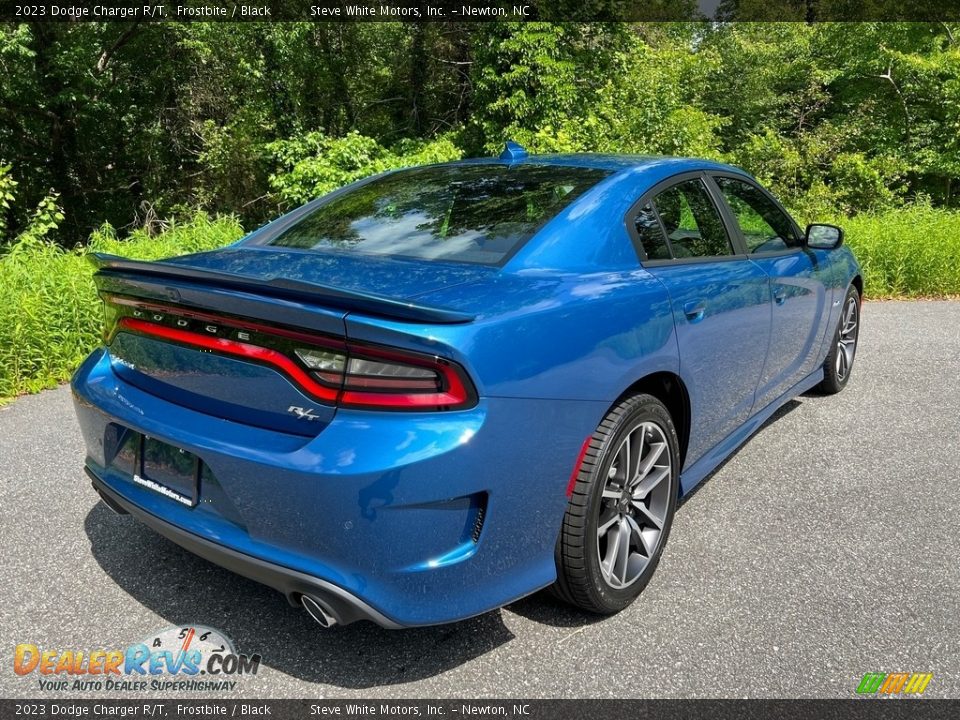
113,266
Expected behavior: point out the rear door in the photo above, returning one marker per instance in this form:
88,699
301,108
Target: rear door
720,300
773,243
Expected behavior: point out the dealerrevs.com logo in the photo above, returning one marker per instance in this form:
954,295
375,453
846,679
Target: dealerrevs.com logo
177,659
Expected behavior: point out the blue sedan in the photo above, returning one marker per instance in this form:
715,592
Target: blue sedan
440,389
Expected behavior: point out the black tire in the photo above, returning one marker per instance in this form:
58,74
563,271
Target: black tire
836,374
580,577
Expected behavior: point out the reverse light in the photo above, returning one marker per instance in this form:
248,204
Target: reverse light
321,360
332,370
326,365
362,373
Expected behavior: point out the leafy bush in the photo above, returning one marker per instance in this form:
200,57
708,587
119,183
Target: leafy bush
814,171
50,315
569,88
7,185
313,164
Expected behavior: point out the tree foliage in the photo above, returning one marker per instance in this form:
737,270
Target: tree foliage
128,122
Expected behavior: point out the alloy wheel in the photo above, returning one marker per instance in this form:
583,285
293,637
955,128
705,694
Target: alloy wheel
847,338
634,505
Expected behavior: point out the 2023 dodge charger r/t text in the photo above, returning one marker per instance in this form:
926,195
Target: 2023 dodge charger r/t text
440,389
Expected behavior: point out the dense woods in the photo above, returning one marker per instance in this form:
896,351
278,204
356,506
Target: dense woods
134,123
152,140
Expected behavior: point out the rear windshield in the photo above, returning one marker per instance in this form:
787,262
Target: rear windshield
467,213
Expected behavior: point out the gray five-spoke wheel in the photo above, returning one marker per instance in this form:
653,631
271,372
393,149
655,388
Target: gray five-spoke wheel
847,338
634,505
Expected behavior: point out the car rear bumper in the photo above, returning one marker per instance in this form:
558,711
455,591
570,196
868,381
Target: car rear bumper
346,607
404,519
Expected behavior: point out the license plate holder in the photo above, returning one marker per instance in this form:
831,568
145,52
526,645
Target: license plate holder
168,470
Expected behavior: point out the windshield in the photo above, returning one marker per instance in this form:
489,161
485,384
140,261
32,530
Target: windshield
466,213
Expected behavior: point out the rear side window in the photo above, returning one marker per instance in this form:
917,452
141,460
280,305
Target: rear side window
467,213
651,234
691,221
765,227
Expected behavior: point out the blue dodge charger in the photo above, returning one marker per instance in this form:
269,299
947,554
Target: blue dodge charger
440,389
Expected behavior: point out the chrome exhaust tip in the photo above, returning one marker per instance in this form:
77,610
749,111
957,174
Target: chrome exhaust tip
318,611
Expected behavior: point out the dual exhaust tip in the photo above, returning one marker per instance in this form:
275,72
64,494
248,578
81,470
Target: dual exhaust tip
319,611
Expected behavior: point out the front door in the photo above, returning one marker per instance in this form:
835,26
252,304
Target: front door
773,243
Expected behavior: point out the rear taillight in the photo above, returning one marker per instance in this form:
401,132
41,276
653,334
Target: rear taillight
375,377
390,379
332,370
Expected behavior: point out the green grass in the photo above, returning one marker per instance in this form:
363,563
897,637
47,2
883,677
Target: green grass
50,316
909,252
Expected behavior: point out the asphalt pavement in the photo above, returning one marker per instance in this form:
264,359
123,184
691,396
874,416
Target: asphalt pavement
827,547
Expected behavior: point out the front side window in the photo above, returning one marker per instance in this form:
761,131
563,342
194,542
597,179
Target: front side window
691,221
458,213
764,226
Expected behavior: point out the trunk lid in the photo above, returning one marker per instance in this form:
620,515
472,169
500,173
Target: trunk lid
392,277
183,329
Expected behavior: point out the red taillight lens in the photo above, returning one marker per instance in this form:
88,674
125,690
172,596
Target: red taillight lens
375,377
332,370
226,346
389,379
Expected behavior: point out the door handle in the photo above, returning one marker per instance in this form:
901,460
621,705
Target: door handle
694,310
779,296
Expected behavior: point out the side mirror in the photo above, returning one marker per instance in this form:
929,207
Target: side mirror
821,236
